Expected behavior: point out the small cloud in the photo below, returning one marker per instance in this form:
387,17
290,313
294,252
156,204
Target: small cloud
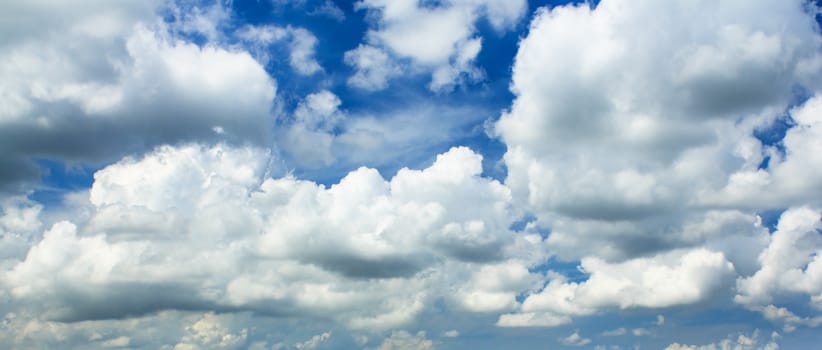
451,334
660,320
119,342
575,340
330,10
638,332
615,332
314,342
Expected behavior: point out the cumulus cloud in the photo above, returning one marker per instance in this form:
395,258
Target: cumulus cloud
310,137
198,228
789,265
575,340
614,143
301,44
440,38
402,340
79,95
675,278
740,342
373,67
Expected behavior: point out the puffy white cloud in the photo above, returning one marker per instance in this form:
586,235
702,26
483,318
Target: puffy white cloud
20,226
198,228
79,95
439,38
614,142
790,178
373,67
673,278
209,332
790,264
740,342
402,340
309,138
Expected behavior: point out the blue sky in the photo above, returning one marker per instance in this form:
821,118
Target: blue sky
407,174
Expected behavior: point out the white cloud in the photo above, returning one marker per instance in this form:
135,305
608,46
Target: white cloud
310,137
615,332
439,38
198,228
669,279
93,98
301,43
791,264
790,177
575,340
612,143
451,334
402,340
314,342
738,342
373,68
210,332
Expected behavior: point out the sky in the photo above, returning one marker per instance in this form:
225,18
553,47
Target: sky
410,174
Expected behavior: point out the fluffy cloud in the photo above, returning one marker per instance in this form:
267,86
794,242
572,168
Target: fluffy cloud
575,340
402,340
740,342
93,92
791,264
649,105
675,278
309,138
439,38
198,228
373,68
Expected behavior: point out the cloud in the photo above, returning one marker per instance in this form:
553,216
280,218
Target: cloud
373,68
402,340
613,143
314,342
309,139
198,228
740,342
789,265
615,332
788,180
575,340
125,92
451,334
439,38
674,278
330,10
301,44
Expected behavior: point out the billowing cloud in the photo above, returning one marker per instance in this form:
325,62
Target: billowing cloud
81,95
610,142
198,228
655,158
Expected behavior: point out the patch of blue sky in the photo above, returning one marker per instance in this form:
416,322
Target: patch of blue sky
58,178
